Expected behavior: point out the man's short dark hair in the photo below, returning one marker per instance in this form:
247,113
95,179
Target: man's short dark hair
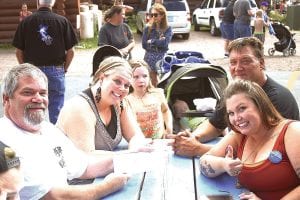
255,44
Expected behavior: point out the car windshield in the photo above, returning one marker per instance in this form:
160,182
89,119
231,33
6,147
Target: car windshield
174,5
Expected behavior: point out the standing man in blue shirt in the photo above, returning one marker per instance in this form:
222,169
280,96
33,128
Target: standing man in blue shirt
46,40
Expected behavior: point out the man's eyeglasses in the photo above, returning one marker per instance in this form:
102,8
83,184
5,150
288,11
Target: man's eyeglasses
154,14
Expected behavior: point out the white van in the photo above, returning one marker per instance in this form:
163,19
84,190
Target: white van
178,14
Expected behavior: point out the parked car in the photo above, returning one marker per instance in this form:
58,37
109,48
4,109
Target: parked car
178,16
208,14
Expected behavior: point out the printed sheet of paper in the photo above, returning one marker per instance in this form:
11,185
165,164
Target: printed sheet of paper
137,162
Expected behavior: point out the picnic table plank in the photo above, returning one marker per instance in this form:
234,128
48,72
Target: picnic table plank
175,181
130,191
220,185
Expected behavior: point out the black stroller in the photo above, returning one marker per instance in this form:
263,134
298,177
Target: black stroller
286,43
189,81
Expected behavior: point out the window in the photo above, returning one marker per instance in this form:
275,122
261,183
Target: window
211,4
204,4
218,4
174,5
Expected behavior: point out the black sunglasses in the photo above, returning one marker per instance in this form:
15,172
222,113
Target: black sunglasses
154,14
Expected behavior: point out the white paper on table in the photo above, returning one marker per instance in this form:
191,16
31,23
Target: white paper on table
137,162
162,144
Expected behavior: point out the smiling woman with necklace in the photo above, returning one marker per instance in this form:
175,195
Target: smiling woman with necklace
263,152
149,104
96,120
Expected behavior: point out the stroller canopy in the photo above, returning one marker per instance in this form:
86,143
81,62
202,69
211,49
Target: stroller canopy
102,53
189,81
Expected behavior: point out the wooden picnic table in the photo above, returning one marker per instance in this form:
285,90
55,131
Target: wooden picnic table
180,178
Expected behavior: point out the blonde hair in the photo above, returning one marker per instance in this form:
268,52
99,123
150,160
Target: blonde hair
162,11
259,13
141,63
112,65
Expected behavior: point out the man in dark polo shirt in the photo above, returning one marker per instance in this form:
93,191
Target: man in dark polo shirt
246,62
46,40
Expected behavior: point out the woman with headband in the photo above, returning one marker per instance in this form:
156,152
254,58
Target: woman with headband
97,119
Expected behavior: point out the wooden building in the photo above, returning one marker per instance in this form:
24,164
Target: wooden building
10,9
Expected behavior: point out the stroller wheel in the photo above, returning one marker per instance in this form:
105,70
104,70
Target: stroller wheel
293,52
286,53
271,51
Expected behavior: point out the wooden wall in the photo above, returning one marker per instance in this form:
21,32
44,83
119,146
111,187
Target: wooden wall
10,9
135,3
9,17
72,10
9,12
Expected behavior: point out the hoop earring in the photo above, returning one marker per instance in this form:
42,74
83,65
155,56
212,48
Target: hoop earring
98,94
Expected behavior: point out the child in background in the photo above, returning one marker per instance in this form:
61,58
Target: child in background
149,104
24,12
259,25
264,5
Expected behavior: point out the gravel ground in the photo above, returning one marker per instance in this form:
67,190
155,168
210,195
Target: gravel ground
211,47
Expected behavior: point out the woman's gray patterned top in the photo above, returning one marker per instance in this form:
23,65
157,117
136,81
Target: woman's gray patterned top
103,140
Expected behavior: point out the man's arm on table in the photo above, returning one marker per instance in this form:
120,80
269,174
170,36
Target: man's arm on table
110,184
192,144
206,132
98,166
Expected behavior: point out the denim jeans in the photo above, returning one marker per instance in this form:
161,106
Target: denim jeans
242,30
56,89
227,31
